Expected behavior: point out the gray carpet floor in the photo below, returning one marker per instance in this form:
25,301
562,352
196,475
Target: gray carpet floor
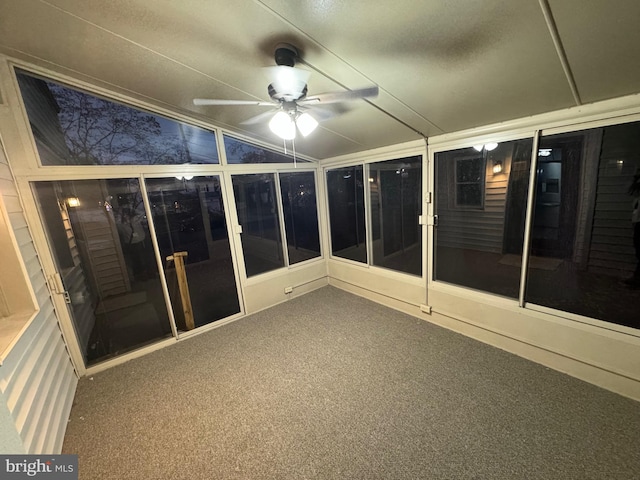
333,386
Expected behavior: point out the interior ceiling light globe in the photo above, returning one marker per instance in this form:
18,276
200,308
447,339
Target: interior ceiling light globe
289,81
306,124
478,147
282,125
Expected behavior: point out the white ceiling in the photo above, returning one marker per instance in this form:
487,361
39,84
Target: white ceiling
441,66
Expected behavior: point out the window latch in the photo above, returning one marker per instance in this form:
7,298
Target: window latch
432,220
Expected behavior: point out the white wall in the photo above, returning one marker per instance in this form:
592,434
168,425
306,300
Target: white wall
37,379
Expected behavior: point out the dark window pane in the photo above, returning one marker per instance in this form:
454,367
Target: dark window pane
469,194
300,215
585,238
238,151
469,184
481,248
112,278
346,213
189,218
72,127
258,215
396,192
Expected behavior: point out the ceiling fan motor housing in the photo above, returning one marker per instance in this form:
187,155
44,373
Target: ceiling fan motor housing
286,54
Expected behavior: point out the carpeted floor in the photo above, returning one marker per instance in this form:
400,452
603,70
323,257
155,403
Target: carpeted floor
332,386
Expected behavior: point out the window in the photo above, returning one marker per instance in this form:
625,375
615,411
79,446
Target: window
395,188
72,127
346,213
300,215
257,208
469,182
102,247
238,152
482,248
585,236
189,219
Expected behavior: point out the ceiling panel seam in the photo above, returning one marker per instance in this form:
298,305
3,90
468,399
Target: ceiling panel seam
557,43
144,47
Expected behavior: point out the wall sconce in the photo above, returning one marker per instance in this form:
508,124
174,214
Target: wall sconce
73,202
497,167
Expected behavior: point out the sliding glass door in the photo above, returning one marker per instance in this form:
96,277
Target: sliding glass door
190,222
101,240
101,243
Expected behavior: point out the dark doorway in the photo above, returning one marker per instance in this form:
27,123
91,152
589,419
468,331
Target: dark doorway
556,198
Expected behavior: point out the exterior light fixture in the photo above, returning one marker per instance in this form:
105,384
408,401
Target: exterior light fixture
73,202
184,177
487,146
497,167
544,152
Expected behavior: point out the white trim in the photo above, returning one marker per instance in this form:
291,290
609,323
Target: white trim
568,117
528,222
284,246
393,152
579,127
157,254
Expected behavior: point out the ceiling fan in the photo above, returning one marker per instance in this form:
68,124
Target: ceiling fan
295,111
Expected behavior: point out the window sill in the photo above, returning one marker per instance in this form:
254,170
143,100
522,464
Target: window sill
11,329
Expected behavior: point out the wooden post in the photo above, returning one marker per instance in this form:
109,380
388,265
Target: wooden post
181,274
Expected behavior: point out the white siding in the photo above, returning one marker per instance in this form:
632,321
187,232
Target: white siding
37,380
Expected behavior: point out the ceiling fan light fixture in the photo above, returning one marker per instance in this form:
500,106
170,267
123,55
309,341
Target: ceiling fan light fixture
306,124
289,80
283,126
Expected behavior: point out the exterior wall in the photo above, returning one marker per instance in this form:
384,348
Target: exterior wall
476,229
37,379
611,249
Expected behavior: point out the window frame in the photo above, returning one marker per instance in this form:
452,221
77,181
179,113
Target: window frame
481,182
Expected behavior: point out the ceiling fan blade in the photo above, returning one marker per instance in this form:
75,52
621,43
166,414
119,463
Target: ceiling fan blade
258,118
210,101
319,113
335,97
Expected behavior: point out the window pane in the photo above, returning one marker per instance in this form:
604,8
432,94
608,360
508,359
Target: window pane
300,215
189,219
107,263
258,215
72,127
585,239
238,151
346,213
481,247
396,192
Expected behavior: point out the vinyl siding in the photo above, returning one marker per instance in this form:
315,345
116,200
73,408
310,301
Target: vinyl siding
475,229
611,249
37,379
